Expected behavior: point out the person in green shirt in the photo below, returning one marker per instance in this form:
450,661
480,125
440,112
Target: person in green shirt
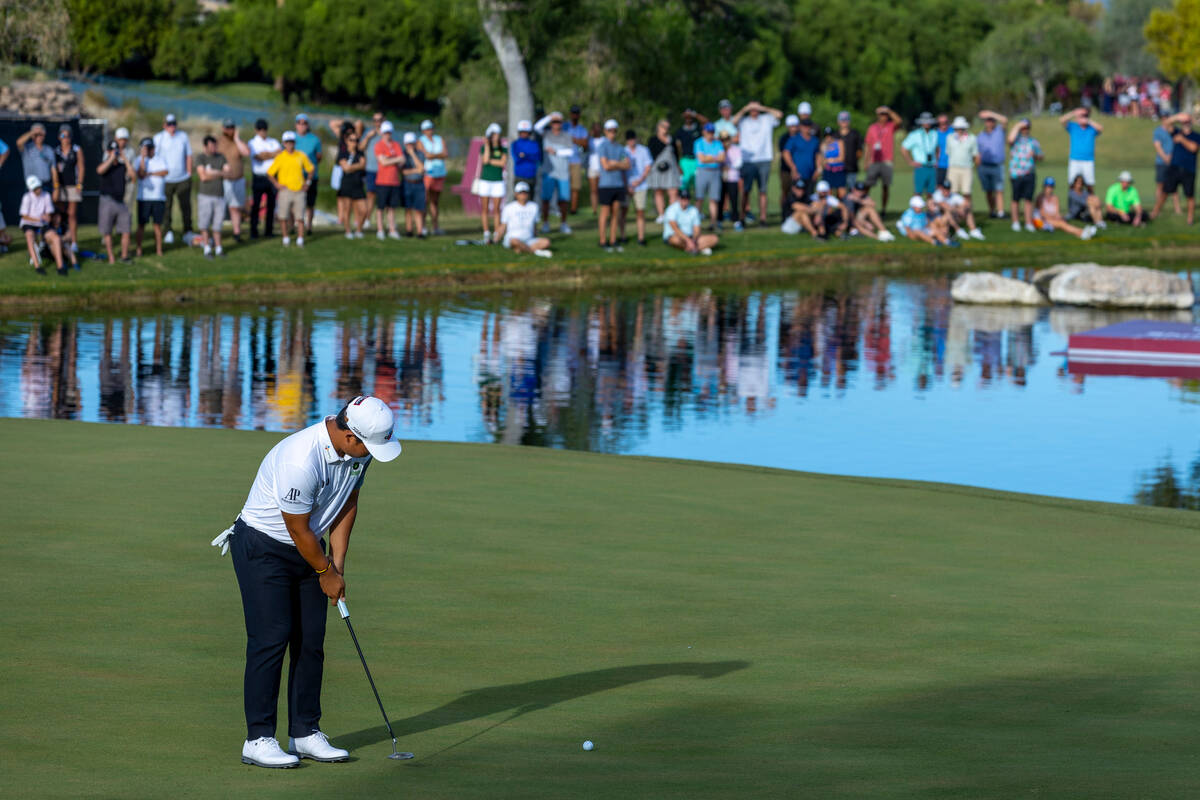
1122,202
489,179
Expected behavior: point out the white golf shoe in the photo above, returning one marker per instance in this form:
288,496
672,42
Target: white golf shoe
317,747
266,752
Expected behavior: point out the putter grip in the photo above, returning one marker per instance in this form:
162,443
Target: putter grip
345,612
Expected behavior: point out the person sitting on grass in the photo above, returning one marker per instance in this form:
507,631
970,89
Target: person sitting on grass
915,224
959,217
681,227
1050,217
151,194
1083,205
800,216
413,173
865,219
37,209
828,214
1122,202
518,221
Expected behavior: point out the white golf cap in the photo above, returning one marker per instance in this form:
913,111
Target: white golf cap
822,186
410,138
611,125
1125,177
524,126
916,202
493,128
426,124
386,127
960,124
792,119
521,187
288,136
804,109
33,182
371,420
122,133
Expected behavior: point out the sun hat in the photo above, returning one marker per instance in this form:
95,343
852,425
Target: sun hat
804,109
611,125
792,119
926,119
916,202
33,182
1125,177
822,186
524,126
387,127
410,138
288,136
122,133
493,128
521,187
371,420
960,124
427,125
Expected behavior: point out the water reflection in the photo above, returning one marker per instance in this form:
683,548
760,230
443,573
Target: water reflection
884,377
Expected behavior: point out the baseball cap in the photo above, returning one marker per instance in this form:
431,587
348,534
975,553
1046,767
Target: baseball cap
611,125
1049,180
524,126
556,116
684,194
260,124
372,421
1025,122
33,182
228,124
804,109
1125,177
521,187
792,119
827,131
575,109
122,133
490,129
709,127
843,116
822,186
288,136
724,104
426,124
410,138
302,117
386,127
147,142
916,202
799,184
860,186
170,120
960,124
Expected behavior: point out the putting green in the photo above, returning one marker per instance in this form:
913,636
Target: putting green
717,631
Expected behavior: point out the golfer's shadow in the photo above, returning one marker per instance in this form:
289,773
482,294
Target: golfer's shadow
522,698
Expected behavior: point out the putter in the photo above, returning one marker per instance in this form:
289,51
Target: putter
345,612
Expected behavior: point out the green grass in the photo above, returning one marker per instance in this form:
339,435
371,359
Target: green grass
717,631
329,265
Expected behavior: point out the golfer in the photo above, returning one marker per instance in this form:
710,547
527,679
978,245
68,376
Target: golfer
306,486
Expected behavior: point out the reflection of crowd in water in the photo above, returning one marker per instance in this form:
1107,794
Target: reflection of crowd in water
580,374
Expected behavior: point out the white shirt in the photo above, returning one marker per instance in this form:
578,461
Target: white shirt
174,150
303,474
152,187
754,136
262,144
519,220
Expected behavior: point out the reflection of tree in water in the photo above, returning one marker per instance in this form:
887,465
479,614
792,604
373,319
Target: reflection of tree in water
1165,486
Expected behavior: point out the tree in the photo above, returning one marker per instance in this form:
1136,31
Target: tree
32,32
1026,56
107,35
1173,37
512,63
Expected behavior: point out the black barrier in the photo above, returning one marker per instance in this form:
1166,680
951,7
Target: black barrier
87,133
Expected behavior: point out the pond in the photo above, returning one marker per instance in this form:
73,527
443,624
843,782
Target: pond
875,377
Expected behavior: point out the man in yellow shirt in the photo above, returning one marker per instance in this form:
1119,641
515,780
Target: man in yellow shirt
291,172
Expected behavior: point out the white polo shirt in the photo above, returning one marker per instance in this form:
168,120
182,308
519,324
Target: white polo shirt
174,149
303,474
262,144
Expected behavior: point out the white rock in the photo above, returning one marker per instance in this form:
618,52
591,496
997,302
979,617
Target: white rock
988,288
1120,287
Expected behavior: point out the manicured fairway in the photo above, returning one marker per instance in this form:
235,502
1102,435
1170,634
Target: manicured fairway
717,631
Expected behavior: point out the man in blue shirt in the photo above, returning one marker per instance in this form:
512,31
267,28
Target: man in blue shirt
309,143
991,160
1181,172
526,154
943,161
1163,143
710,157
1083,131
920,147
614,163
800,153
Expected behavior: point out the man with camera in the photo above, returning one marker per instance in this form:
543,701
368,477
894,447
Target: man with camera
920,147
113,213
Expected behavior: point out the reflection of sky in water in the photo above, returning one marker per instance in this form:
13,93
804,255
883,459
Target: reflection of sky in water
886,379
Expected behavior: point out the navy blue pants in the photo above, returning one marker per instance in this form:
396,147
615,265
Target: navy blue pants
285,610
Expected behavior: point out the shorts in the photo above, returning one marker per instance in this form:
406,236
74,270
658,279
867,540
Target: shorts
611,194
490,188
1023,186
151,210
1178,179
113,216
435,184
210,212
70,194
708,184
924,180
756,172
310,196
593,166
528,242
1160,172
556,188
836,180
960,180
369,180
576,177
1085,168
235,193
414,195
638,196
289,204
880,171
388,196
941,175
991,177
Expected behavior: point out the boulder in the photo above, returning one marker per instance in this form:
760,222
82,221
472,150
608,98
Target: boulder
988,288
1041,279
40,99
1120,287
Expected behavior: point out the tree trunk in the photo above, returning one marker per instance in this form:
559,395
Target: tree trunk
1039,95
512,63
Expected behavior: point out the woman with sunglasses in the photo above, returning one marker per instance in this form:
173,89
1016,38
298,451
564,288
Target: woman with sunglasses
352,192
68,181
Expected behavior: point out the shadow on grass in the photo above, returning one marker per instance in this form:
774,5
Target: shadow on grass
522,698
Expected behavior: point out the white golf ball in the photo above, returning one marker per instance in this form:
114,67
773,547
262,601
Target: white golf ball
588,745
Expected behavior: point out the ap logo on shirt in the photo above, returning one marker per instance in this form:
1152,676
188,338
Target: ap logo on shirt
292,496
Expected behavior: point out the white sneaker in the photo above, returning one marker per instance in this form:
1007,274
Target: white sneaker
380,235
962,233
1102,225
220,251
207,250
977,234
358,234
1016,226
317,747
299,241
169,238
349,235
564,228
487,237
394,235
1029,228
886,236
367,225
286,241
543,253
1087,233
658,220
706,251
266,752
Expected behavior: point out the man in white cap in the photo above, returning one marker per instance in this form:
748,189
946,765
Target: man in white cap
1122,202
308,485
291,172
962,156
526,154
173,146
518,221
389,187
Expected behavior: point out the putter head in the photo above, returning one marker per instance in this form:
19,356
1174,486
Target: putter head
399,756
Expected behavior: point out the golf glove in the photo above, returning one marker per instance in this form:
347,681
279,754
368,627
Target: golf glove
222,541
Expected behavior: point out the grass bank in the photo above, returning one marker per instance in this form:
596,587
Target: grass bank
717,631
